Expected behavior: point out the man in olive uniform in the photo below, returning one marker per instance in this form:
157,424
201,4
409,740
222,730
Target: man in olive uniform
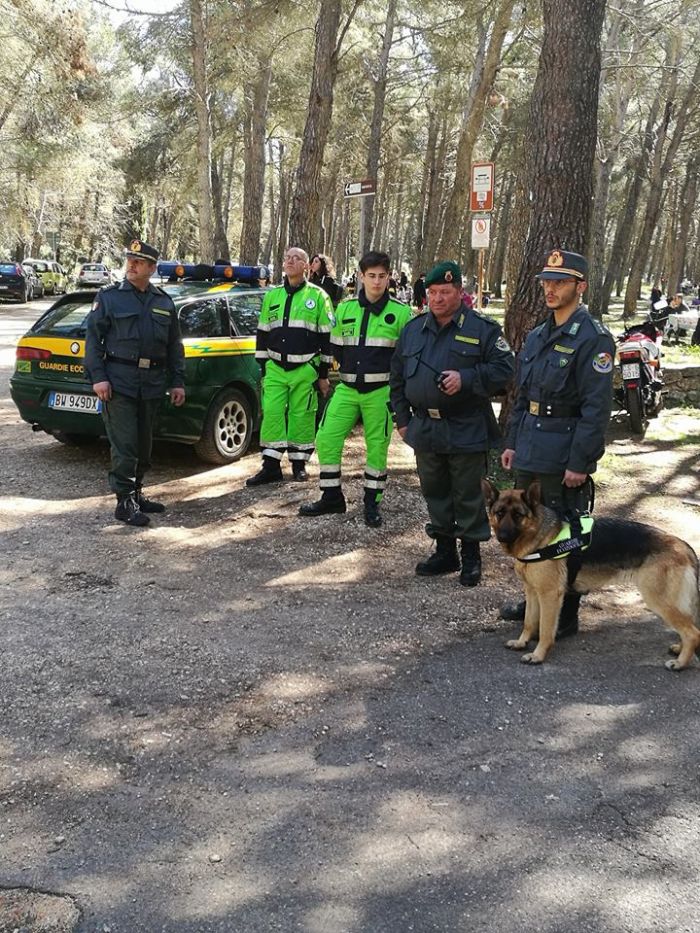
363,336
133,350
447,365
556,432
293,350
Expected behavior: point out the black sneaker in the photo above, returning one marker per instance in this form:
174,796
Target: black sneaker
148,505
129,512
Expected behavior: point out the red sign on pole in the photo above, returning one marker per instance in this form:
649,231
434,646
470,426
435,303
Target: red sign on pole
483,174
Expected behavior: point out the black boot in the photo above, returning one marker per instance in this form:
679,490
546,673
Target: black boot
299,471
443,559
568,617
271,473
148,505
332,502
373,518
513,612
471,563
129,512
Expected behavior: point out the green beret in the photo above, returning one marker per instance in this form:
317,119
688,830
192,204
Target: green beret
444,273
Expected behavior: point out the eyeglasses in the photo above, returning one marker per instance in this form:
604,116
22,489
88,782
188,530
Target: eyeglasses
294,259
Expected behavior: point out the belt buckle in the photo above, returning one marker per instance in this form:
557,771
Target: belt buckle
144,363
434,413
534,408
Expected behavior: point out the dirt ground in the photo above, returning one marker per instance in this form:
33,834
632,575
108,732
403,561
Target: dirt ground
240,720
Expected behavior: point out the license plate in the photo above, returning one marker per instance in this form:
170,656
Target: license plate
75,401
630,370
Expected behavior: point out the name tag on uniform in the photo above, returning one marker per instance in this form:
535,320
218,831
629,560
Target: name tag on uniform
564,349
467,339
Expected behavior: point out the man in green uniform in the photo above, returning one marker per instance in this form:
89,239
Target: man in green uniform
293,350
447,365
556,432
364,334
133,349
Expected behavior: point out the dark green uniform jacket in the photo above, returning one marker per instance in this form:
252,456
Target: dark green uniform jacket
294,328
133,341
461,423
562,409
363,338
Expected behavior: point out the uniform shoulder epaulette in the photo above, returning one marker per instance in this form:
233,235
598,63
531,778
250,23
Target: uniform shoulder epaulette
486,318
417,320
600,327
110,287
537,329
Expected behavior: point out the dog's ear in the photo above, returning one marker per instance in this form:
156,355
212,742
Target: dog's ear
490,492
533,495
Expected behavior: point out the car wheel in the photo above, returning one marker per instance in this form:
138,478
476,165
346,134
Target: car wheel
228,428
75,440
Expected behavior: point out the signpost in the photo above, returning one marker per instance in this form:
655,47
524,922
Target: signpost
364,188
481,204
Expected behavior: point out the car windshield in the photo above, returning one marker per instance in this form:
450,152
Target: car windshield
40,266
67,320
8,268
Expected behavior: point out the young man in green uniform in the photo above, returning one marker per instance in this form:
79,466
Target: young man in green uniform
133,350
448,363
363,337
293,350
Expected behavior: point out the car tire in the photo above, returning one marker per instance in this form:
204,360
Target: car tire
228,428
75,440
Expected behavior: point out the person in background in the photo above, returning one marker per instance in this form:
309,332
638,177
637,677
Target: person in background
419,292
322,273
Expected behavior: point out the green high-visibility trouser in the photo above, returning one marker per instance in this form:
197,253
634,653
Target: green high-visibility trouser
289,402
342,413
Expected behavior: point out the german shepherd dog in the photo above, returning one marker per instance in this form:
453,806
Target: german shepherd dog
663,567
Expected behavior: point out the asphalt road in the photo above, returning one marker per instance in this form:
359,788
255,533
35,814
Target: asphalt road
235,721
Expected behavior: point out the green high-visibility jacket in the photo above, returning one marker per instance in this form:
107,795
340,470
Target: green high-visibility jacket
294,327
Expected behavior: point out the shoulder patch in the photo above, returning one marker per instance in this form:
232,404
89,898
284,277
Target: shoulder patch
603,363
310,303
503,344
332,318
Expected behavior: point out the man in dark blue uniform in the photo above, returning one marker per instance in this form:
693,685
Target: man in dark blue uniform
133,351
447,365
556,432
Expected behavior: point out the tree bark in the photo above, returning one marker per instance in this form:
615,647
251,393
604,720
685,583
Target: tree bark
561,148
375,133
254,122
688,200
204,135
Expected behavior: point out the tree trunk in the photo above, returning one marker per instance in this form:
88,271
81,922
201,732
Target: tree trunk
221,249
498,255
203,113
562,135
254,122
482,83
305,219
375,133
426,182
688,199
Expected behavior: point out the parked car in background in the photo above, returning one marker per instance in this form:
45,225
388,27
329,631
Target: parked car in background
36,285
14,282
51,273
218,318
93,273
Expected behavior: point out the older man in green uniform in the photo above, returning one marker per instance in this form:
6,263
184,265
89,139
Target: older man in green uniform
133,350
447,365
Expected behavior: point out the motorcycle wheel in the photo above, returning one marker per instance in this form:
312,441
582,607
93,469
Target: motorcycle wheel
633,404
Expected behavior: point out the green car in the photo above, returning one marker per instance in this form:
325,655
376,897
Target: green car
52,274
222,378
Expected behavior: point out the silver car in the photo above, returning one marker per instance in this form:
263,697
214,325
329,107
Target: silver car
94,273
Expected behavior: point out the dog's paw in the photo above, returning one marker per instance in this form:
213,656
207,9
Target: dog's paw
675,648
533,659
516,645
673,666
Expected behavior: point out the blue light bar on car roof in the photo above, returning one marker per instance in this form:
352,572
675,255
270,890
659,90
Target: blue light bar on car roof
223,272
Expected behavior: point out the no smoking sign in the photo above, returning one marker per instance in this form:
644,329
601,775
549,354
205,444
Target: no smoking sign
481,231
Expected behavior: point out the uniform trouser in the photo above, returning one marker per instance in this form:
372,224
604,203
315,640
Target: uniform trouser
342,413
451,486
561,499
289,411
129,424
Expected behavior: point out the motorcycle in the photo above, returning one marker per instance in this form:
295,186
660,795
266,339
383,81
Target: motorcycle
641,393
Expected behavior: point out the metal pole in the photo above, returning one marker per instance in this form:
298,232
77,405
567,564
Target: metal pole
480,283
363,211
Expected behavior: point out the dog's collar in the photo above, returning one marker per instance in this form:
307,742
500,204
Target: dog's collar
565,543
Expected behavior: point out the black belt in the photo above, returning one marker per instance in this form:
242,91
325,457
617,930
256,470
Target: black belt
552,410
435,413
142,362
